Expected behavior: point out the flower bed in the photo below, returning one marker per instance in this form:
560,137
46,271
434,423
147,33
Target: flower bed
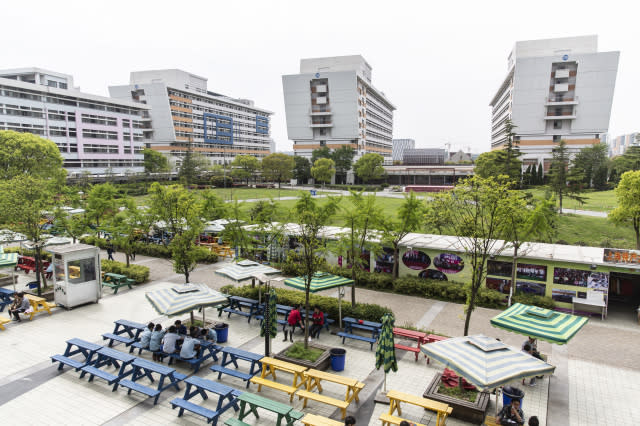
473,412
321,363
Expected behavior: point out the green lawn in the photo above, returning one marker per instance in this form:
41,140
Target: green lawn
594,231
600,201
244,194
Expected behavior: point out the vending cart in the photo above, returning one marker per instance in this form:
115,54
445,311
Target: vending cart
76,274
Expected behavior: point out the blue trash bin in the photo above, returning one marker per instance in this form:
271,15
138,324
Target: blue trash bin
338,356
313,192
510,393
222,332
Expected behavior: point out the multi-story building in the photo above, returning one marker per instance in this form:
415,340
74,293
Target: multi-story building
94,133
555,89
187,115
333,103
424,156
399,146
619,144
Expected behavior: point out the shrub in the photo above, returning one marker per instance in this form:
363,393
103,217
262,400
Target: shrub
328,305
152,250
534,300
138,273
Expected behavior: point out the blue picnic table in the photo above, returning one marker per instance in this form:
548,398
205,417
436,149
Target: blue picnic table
109,357
199,386
6,298
143,368
207,350
236,303
132,330
351,323
231,356
87,349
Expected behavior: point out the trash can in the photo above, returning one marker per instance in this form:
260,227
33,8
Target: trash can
222,332
510,393
338,356
313,192
32,285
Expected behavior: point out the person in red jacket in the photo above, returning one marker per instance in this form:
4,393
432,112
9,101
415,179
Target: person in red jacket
294,319
318,322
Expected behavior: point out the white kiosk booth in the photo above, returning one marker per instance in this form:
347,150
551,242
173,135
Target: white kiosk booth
76,272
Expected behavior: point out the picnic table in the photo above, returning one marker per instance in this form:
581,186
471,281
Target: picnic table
202,386
38,304
115,281
207,350
232,355
87,349
143,368
130,328
6,297
269,368
351,323
315,420
396,397
418,336
236,303
109,357
253,401
313,379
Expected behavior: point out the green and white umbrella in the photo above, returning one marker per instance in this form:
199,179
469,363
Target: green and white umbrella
386,351
544,324
184,298
9,260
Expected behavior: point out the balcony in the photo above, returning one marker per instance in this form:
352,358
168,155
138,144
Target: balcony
560,100
561,87
562,73
560,115
320,111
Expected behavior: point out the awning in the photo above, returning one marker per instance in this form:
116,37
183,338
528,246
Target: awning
246,269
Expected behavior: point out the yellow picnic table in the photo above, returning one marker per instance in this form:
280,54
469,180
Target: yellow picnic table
313,379
396,397
38,304
3,321
315,420
269,368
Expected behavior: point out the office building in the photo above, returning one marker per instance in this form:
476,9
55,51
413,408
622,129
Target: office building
424,156
398,148
95,134
185,113
619,144
332,102
555,89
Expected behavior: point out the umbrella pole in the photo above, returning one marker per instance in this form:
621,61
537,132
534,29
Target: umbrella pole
340,293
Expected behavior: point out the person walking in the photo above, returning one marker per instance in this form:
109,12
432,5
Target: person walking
110,250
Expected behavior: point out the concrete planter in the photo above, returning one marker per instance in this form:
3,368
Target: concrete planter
322,363
6,280
473,412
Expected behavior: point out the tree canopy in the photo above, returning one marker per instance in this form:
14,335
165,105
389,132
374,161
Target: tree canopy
628,210
343,159
369,167
277,167
155,162
101,202
301,169
323,152
323,170
592,163
28,154
563,179
244,167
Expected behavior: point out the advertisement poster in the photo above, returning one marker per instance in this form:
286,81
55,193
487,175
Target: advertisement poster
564,296
571,276
384,262
525,287
495,267
415,259
598,281
432,274
448,263
499,284
532,272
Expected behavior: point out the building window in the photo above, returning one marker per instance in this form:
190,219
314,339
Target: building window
51,83
556,138
557,124
62,85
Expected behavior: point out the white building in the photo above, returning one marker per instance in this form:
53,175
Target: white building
399,146
332,103
555,89
184,112
94,133
619,144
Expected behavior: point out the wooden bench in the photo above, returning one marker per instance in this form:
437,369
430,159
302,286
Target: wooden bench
342,405
67,361
396,398
38,304
344,336
290,390
235,422
208,414
150,392
111,337
388,419
235,373
3,321
315,420
407,348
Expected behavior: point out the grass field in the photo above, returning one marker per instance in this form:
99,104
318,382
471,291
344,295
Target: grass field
600,201
244,194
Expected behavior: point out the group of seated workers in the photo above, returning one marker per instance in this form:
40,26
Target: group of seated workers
175,339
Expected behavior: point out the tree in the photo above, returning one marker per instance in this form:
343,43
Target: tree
475,213
540,177
343,158
301,169
101,202
73,225
628,210
527,177
268,232
24,200
128,225
244,167
409,219
323,169
319,153
593,163
561,179
193,163
277,167
28,154
494,164
369,167
311,217
155,161
212,207
512,165
629,161
361,215
235,230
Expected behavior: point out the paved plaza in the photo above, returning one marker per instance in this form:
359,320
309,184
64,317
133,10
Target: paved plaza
597,379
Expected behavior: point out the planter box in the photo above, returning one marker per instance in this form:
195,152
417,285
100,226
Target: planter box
322,363
6,280
473,412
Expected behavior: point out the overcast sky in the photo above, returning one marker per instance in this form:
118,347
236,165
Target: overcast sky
438,62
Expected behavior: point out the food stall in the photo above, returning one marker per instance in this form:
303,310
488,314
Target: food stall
76,273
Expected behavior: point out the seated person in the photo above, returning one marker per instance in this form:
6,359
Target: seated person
190,347
155,341
533,342
20,305
294,319
533,421
527,348
318,322
180,329
169,341
208,335
49,271
145,336
511,414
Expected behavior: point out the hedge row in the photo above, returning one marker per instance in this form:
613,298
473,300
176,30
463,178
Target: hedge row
328,305
137,272
153,250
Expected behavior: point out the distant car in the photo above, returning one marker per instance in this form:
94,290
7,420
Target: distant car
433,275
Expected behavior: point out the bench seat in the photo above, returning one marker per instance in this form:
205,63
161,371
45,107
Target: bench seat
183,404
235,422
141,388
126,340
236,311
116,287
342,405
194,362
290,390
235,373
344,335
316,420
3,321
93,371
408,348
389,419
68,361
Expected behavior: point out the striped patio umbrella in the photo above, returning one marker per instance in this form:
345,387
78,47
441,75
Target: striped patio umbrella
386,351
544,324
485,361
184,298
9,260
245,270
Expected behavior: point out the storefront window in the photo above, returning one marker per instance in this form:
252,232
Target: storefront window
82,270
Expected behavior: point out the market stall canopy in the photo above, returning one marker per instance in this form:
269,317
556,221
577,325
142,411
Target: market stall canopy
485,361
183,298
320,281
9,236
213,227
544,324
245,269
8,259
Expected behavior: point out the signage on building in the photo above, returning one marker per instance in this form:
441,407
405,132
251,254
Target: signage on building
622,256
565,57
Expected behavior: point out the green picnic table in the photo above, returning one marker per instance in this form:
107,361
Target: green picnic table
115,281
254,401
